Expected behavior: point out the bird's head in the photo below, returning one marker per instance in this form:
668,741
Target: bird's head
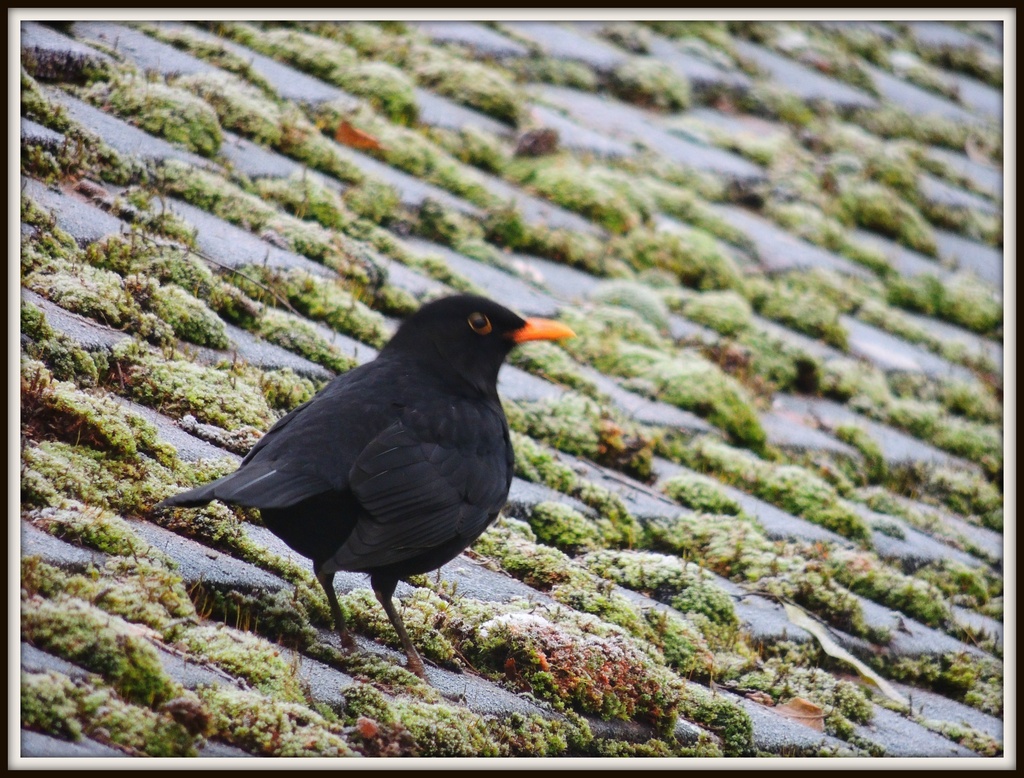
468,337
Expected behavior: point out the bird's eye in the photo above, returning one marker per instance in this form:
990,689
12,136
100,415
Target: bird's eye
479,323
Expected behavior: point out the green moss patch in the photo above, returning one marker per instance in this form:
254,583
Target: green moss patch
103,643
218,396
961,299
692,256
652,84
57,409
142,590
603,196
72,708
605,676
700,493
843,704
267,727
317,298
487,89
637,297
173,113
580,426
876,207
801,310
684,378
667,579
725,312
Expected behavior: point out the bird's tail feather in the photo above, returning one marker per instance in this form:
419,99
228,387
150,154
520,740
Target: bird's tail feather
193,498
258,485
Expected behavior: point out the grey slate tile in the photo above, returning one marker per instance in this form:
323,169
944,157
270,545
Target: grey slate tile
788,433
683,330
628,123
562,42
121,136
883,31
199,564
813,348
938,192
74,214
979,624
910,638
765,619
644,410
901,737
417,284
914,99
438,111
233,247
734,125
38,135
780,735
35,660
49,54
578,138
984,261
289,83
892,354
906,262
935,707
482,40
412,191
939,35
512,291
38,745
898,448
745,261
986,541
979,347
143,51
702,74
263,354
912,551
780,251
86,332
802,81
56,552
777,524
537,211
518,385
256,161
985,177
525,495
565,282
168,430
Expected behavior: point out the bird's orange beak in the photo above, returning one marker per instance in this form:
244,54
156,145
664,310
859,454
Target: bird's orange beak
541,329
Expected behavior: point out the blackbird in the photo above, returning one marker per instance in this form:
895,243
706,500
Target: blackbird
397,466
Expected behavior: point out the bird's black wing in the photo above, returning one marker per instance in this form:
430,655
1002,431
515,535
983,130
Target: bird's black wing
424,484
279,425
306,453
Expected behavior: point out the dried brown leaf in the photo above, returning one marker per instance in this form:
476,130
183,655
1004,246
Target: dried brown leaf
803,712
355,138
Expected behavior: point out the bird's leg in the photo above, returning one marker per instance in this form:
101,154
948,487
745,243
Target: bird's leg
327,581
384,589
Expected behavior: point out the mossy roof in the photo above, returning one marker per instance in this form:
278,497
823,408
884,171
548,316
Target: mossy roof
758,506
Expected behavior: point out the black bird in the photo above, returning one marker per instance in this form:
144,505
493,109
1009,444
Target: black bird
397,466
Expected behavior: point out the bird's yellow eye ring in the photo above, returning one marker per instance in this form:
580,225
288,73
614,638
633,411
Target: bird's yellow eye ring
479,323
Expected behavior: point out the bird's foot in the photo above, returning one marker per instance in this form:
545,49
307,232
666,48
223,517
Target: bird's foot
415,665
348,643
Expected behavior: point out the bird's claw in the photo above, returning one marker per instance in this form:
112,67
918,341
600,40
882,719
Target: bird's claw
348,643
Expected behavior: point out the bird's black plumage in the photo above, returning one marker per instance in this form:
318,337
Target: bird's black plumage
398,465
